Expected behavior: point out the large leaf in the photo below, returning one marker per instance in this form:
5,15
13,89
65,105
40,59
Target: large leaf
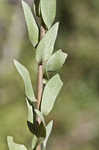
33,30
48,10
50,93
14,146
56,61
40,116
46,45
48,132
30,111
26,77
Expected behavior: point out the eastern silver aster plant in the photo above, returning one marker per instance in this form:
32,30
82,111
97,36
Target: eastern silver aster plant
42,34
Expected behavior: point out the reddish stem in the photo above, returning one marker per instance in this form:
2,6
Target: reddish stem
40,82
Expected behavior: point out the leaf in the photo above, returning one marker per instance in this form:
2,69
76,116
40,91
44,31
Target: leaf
42,131
56,61
14,146
50,93
33,127
48,132
40,116
37,7
34,142
26,77
37,129
46,45
30,112
48,10
32,27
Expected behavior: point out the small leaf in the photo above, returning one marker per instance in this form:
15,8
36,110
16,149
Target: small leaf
40,116
33,30
50,93
48,132
33,127
48,10
42,131
14,146
26,77
46,45
56,61
30,112
37,129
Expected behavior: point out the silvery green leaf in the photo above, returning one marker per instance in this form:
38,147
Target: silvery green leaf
48,132
30,111
48,10
50,93
56,61
34,142
46,45
32,27
40,116
13,146
26,77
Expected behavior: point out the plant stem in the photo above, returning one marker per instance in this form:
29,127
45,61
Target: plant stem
40,75
39,93
40,87
40,82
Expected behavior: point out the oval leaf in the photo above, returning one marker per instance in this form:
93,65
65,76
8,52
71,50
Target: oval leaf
26,77
30,112
50,93
56,61
46,45
48,10
32,27
48,132
14,146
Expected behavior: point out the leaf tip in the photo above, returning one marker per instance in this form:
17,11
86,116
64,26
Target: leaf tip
57,24
52,122
65,55
23,3
58,77
15,62
9,139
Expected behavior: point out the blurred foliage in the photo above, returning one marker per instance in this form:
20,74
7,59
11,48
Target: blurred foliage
76,123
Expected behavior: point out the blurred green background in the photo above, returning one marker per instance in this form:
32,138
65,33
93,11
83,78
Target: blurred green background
76,112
